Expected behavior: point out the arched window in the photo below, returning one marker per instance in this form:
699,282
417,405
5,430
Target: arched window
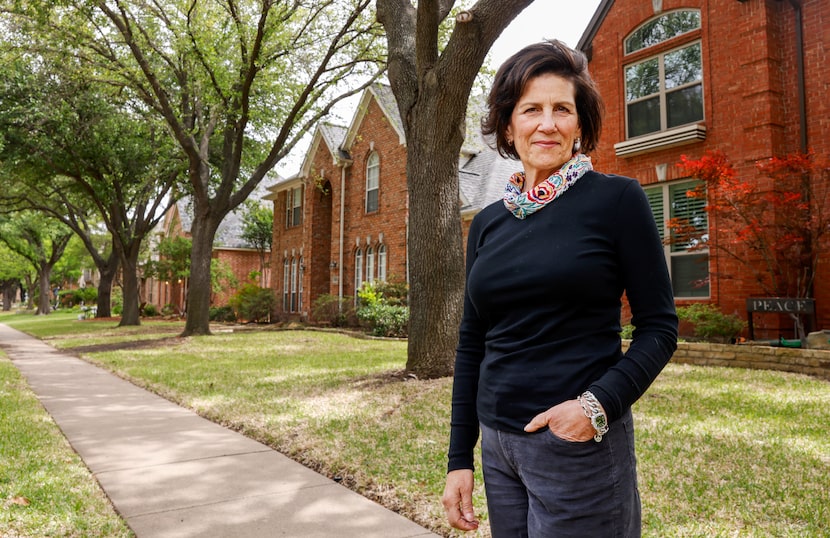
382,263
358,271
664,91
662,28
370,264
372,182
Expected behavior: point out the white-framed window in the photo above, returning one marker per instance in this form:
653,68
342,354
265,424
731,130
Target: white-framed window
286,283
358,271
382,262
688,259
370,264
664,91
372,182
293,207
294,271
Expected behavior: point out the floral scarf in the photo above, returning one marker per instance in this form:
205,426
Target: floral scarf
524,204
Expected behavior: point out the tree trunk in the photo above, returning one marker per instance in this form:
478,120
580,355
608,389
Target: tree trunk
9,289
197,307
129,264
44,305
435,251
107,270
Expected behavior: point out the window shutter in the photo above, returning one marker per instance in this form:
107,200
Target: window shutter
655,200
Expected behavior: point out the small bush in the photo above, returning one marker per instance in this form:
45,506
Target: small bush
627,332
712,325
222,313
150,310
70,298
253,303
334,310
168,310
384,317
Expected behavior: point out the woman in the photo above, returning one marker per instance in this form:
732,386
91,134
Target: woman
539,368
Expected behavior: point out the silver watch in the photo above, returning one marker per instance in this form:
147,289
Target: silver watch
593,410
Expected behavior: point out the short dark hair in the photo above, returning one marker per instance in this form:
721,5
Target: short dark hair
550,56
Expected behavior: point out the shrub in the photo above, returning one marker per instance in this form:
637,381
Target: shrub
253,303
627,332
712,325
150,310
383,317
69,298
168,309
386,319
334,310
222,313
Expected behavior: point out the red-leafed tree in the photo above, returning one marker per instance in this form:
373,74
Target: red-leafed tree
775,229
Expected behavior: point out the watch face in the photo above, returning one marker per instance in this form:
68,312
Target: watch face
600,422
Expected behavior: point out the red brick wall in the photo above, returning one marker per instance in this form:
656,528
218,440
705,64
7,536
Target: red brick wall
376,134
750,103
241,263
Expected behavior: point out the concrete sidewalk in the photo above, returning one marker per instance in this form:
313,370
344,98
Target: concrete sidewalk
171,473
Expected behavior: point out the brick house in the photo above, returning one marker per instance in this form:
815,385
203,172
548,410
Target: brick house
228,248
342,219
746,77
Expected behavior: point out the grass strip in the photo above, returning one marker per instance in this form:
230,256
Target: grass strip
45,489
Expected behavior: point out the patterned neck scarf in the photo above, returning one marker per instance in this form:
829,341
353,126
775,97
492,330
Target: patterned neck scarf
524,204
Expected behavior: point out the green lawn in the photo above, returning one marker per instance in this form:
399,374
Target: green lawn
722,452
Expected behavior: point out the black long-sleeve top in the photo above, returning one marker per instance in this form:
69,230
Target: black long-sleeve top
541,318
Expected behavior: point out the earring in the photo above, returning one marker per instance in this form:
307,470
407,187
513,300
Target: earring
577,145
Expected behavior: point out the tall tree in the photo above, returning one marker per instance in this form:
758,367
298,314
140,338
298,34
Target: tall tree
41,242
238,83
431,86
80,152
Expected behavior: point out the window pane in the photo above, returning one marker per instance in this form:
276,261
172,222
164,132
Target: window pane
644,117
684,106
358,271
690,275
642,79
371,201
683,66
691,211
662,28
370,264
382,263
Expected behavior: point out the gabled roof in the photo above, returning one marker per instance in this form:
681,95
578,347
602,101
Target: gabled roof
587,38
386,101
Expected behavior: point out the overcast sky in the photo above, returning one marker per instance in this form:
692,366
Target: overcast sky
565,20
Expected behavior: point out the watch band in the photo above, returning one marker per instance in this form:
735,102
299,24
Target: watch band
593,410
